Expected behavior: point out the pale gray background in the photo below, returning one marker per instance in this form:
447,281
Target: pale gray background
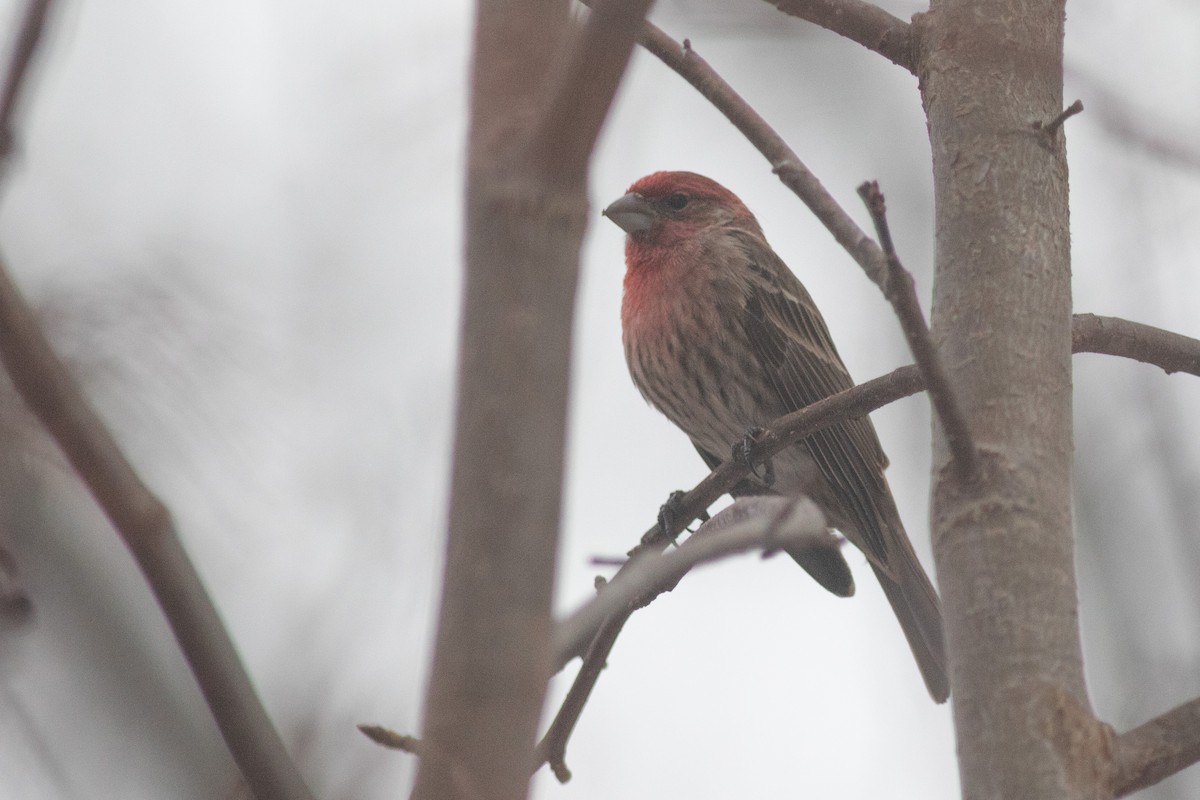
242,222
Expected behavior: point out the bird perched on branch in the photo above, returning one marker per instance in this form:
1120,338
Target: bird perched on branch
722,338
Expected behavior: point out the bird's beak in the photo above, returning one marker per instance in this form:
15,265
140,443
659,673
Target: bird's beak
632,213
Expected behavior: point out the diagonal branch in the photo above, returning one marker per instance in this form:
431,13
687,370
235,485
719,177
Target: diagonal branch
784,161
901,291
735,529
566,133
854,402
140,518
1157,750
869,25
145,526
751,523
25,46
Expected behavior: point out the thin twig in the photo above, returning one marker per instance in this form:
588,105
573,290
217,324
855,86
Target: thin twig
1091,334
15,605
648,577
392,740
1172,352
784,161
854,402
552,749
1157,750
1053,125
25,46
869,25
753,523
901,291
145,526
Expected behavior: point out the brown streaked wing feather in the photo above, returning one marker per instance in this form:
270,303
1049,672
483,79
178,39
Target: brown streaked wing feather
791,341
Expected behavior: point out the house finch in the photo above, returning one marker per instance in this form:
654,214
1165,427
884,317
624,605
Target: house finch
721,337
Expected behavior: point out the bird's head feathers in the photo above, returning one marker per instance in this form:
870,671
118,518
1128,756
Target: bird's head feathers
665,209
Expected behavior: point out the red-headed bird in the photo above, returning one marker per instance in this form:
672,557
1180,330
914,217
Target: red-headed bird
722,338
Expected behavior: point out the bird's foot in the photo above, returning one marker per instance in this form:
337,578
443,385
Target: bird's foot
668,516
743,453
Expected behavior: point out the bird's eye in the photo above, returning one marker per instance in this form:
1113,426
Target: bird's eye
677,201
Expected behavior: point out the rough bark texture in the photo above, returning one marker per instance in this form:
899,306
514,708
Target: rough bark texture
491,658
1002,318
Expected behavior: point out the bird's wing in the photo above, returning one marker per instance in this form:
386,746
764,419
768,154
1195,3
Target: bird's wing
827,566
792,344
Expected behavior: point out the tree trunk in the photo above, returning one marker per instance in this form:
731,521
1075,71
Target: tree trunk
491,660
991,80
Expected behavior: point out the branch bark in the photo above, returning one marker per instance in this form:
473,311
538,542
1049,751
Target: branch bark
755,523
867,24
1172,352
25,47
783,160
901,291
529,143
145,526
1002,322
1157,750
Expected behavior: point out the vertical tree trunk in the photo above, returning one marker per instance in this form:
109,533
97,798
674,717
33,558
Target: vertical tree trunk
491,659
540,92
1002,317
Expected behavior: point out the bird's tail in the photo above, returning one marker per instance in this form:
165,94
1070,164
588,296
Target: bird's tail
915,602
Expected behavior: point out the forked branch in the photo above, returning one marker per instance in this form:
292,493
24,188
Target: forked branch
752,523
864,23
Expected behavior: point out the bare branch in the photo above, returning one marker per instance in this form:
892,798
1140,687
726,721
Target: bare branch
386,737
1053,125
1157,750
146,527
752,523
24,48
901,291
531,135
854,402
783,432
552,749
784,161
564,138
15,605
1172,352
869,25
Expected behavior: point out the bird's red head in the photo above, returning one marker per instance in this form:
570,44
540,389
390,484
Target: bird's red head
666,209
679,226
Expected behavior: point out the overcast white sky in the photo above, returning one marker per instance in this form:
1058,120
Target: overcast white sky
242,222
